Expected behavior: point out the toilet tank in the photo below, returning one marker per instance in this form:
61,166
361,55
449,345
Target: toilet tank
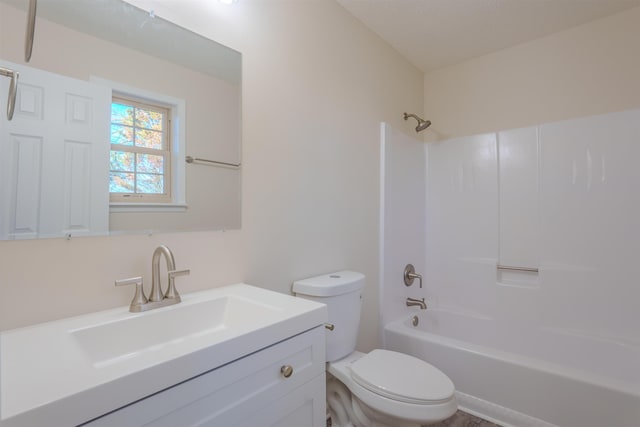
342,293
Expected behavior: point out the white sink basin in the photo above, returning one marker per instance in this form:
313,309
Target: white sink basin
76,369
114,341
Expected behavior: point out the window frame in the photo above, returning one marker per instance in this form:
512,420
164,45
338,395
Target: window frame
165,196
177,107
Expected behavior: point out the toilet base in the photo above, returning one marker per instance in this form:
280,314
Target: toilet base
348,411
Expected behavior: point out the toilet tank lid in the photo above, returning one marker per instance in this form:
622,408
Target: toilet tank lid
327,285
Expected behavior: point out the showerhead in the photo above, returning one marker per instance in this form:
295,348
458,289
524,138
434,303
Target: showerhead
422,124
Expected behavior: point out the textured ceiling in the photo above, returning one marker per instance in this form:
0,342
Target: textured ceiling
433,34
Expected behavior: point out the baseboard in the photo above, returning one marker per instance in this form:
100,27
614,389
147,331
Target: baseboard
497,414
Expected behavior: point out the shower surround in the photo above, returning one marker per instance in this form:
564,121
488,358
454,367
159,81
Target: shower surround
559,200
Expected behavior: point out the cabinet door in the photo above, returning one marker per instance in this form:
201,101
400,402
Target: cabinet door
303,407
224,396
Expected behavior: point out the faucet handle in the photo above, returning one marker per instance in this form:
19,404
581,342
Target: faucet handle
410,274
172,292
176,273
139,299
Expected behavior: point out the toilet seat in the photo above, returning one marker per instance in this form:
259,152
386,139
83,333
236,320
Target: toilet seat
424,412
402,378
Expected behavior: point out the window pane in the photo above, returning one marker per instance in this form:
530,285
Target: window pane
122,161
149,139
122,135
121,182
122,114
148,119
150,163
150,184
138,142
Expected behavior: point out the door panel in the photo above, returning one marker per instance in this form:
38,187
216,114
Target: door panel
55,157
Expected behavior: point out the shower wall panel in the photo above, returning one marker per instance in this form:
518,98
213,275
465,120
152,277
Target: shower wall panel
517,292
560,197
590,212
462,223
402,218
518,183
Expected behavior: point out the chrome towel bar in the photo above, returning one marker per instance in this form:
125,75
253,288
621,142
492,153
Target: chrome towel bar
13,90
31,29
525,269
190,160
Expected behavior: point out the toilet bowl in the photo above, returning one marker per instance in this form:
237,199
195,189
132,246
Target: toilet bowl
394,389
381,388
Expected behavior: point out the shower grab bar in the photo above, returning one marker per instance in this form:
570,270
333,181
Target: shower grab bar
31,29
13,90
190,160
510,268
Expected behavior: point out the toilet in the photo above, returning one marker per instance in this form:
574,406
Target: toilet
381,388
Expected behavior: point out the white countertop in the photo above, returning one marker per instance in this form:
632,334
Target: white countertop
50,377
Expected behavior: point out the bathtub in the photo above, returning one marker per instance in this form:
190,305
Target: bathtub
524,377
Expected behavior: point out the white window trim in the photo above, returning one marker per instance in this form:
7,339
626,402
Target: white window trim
178,111
146,207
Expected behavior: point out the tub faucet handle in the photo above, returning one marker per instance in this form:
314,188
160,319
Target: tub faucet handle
410,274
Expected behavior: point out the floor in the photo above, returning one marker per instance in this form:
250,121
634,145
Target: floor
462,419
459,419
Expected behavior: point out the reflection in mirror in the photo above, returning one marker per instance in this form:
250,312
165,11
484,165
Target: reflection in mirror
112,102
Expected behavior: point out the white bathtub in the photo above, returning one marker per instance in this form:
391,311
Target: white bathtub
524,377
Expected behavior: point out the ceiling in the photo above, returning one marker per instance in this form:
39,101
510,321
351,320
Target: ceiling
433,34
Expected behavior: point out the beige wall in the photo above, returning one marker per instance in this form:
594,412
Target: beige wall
316,84
47,279
587,70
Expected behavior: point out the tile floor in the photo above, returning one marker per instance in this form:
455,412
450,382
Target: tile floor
459,419
462,419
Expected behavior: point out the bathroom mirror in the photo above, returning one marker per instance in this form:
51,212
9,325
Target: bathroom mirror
78,167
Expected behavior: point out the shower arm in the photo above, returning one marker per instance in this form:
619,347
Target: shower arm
407,115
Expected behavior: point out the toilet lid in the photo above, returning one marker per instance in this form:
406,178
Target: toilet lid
401,377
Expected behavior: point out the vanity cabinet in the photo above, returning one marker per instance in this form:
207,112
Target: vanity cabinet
248,392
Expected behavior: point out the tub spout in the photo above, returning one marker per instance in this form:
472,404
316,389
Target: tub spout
419,302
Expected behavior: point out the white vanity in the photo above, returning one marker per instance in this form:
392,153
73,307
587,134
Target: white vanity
231,356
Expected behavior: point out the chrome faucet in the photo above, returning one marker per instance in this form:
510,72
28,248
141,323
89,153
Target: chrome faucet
156,288
156,298
419,302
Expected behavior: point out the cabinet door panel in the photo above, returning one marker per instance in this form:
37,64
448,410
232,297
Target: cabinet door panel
225,395
305,406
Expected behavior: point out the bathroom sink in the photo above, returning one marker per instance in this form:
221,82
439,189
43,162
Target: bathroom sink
117,340
78,368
